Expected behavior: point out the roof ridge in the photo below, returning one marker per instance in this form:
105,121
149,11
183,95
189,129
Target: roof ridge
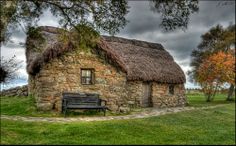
50,29
135,42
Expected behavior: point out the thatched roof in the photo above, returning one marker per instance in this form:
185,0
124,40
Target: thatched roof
140,60
39,52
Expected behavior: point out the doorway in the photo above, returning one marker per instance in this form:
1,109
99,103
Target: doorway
146,99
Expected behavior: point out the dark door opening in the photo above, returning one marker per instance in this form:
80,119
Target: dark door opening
147,92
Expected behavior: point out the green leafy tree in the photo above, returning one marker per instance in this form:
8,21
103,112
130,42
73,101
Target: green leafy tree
101,15
206,47
8,69
175,13
215,40
228,42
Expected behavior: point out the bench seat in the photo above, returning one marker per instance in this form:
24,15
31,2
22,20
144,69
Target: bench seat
85,107
82,101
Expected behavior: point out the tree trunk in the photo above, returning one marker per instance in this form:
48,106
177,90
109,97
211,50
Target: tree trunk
208,98
230,93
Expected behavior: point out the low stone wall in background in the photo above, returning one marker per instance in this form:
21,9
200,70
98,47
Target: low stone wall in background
17,91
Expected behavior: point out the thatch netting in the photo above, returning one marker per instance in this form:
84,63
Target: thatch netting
140,60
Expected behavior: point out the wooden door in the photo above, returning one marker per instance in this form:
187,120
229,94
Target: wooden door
146,100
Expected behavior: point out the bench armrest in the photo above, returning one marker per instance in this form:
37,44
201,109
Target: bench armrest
65,102
102,100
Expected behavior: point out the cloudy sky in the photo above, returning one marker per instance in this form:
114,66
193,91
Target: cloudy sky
144,25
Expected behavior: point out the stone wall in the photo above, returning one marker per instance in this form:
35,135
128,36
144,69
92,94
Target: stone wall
63,75
17,91
162,98
135,92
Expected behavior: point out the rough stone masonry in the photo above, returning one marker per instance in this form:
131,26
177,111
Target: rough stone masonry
126,73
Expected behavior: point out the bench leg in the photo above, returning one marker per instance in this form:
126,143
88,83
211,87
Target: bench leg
65,112
104,110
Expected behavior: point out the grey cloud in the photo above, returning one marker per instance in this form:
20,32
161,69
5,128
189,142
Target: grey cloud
14,46
18,36
178,44
213,12
141,18
144,25
48,19
185,62
182,47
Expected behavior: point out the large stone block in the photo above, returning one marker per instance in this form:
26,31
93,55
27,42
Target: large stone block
44,106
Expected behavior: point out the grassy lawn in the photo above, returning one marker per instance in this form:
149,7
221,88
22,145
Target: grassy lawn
211,126
25,106
198,100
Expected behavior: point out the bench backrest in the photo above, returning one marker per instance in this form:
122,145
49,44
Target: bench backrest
81,99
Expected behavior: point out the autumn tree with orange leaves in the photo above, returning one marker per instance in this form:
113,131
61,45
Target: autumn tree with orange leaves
215,71
216,39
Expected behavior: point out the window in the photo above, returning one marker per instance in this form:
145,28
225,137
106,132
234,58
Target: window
171,89
87,76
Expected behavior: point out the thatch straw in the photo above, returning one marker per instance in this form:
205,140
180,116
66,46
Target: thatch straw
140,60
144,61
36,58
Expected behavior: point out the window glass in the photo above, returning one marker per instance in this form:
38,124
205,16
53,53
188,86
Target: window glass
87,76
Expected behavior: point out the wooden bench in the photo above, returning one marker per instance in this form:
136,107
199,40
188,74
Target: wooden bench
82,101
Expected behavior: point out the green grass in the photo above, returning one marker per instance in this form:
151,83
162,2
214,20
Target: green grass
199,100
212,126
25,106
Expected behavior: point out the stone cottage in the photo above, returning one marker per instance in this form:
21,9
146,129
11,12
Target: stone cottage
126,73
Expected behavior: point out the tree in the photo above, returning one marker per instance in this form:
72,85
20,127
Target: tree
228,40
215,71
175,13
8,69
205,48
102,15
215,40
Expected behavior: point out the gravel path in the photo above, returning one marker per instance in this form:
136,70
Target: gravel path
149,112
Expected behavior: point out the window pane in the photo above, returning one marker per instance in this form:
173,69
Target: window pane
83,73
88,80
86,73
83,80
86,76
